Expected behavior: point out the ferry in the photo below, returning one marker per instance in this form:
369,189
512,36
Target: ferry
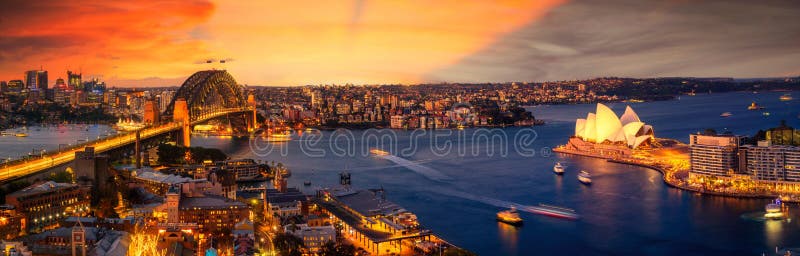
786,97
378,152
510,216
585,178
774,210
21,134
726,114
754,106
558,168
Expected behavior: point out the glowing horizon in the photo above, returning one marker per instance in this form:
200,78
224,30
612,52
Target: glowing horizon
159,43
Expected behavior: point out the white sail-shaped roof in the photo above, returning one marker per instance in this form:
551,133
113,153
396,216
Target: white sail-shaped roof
631,130
580,124
590,133
639,140
607,123
605,126
629,116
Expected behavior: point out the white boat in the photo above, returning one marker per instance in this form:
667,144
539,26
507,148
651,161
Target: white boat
773,210
585,178
558,168
726,114
510,216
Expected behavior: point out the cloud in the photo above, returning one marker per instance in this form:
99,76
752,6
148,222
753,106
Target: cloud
288,43
638,38
141,38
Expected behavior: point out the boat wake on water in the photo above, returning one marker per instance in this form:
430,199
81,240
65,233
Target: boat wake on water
418,168
542,209
435,175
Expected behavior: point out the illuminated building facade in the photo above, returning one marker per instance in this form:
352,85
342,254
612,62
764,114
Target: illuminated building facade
714,155
767,162
46,203
604,126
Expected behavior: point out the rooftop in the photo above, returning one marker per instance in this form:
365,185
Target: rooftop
43,187
209,202
150,175
291,195
369,203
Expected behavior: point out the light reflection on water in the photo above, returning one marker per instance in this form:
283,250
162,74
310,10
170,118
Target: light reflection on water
509,235
627,211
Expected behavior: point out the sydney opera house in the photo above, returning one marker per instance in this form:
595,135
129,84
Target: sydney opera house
604,133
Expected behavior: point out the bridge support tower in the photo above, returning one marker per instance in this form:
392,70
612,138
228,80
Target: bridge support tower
181,115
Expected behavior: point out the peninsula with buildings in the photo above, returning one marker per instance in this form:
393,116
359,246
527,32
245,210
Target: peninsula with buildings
766,165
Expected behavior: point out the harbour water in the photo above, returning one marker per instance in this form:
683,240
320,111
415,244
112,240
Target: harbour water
49,138
628,210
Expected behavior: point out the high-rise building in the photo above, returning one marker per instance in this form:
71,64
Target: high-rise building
15,86
714,155
36,80
74,80
768,162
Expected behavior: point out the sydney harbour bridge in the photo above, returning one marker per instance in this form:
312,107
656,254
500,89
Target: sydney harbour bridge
204,96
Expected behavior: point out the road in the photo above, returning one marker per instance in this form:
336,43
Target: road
23,168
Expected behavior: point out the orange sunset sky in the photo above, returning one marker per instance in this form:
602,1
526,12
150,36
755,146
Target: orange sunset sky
154,43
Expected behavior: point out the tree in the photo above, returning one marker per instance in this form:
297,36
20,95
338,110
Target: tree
332,249
170,154
61,177
288,245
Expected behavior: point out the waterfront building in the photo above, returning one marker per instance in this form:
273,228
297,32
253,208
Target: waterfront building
772,163
44,204
372,221
397,122
714,155
313,237
245,169
156,182
603,126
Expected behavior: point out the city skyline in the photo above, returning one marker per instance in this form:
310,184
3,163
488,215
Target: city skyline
366,42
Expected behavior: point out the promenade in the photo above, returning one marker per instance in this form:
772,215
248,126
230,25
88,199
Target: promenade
672,163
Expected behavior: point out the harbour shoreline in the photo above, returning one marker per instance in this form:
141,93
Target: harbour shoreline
672,182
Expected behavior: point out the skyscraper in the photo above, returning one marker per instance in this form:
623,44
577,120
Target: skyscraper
74,80
713,155
36,80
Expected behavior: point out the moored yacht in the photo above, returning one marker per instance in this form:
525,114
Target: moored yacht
585,178
510,216
558,168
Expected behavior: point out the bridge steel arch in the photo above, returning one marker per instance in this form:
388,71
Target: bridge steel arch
207,91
